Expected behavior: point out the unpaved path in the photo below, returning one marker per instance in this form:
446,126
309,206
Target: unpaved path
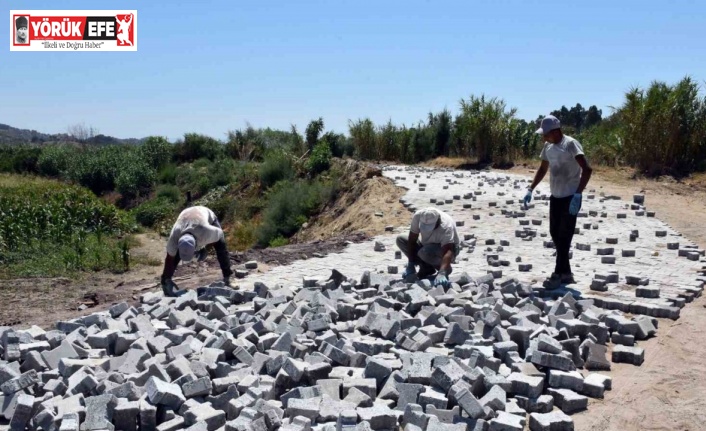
44,301
668,392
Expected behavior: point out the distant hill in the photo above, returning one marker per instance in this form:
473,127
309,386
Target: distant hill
13,136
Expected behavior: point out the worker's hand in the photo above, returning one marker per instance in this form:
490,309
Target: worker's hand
409,270
169,288
528,198
441,279
575,205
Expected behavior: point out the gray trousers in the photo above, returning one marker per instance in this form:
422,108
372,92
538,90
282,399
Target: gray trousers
429,254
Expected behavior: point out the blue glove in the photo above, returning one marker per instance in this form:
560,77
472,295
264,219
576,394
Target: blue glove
441,280
409,270
575,204
528,197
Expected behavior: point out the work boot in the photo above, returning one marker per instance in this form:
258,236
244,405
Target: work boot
553,282
568,279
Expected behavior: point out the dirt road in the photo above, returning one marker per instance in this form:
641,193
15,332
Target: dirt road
668,392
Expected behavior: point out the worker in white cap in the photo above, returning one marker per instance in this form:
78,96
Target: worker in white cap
195,228
432,243
563,156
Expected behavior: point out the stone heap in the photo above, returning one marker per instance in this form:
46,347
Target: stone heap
334,354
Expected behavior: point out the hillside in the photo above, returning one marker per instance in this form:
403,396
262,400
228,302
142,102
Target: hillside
13,136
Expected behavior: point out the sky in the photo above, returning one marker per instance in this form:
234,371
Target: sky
213,66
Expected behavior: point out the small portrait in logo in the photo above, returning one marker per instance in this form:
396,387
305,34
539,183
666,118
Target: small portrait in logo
21,30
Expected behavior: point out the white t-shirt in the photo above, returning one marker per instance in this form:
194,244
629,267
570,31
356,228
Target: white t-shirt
565,172
444,234
197,221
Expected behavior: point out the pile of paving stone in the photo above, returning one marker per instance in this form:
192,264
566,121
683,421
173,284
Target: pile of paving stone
338,354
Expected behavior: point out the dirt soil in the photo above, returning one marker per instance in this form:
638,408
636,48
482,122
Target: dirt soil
367,203
667,391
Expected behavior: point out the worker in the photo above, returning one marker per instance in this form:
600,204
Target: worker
563,156
195,228
432,243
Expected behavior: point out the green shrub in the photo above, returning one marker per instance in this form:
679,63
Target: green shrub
222,172
195,146
135,178
169,192
289,205
320,159
152,212
54,161
19,159
168,174
277,166
279,242
157,151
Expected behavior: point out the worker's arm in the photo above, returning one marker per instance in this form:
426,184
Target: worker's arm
169,267
541,172
413,246
447,256
586,172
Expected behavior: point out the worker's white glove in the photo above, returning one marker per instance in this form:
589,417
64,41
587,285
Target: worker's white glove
575,205
409,270
528,198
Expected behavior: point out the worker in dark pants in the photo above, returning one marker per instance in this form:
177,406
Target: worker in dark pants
432,243
195,228
563,157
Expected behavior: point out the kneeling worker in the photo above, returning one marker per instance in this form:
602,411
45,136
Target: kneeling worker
195,228
432,243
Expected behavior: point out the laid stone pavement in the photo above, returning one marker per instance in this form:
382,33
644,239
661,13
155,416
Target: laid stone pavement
494,213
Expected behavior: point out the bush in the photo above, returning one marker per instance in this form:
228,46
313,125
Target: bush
135,178
55,160
156,151
288,207
168,174
169,192
663,128
152,212
19,159
320,159
195,146
277,166
279,242
222,172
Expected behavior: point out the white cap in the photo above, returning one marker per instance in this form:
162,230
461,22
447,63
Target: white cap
427,219
187,247
549,123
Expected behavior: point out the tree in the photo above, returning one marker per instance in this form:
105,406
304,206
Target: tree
593,116
81,132
313,130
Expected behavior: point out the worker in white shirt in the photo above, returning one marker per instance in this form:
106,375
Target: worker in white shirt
195,228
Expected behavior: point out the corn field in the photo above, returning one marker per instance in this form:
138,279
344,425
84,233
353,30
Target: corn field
34,213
